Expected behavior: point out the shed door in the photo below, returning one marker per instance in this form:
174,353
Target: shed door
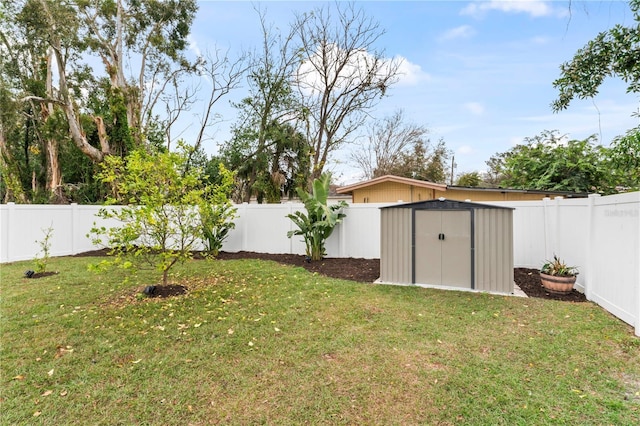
443,248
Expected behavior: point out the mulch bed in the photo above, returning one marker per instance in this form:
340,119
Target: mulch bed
34,275
362,270
529,281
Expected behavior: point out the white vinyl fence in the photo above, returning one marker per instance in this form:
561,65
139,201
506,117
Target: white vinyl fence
600,235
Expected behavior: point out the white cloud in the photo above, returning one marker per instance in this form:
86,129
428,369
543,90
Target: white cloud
535,8
516,140
410,74
357,68
474,108
461,32
193,46
465,150
540,40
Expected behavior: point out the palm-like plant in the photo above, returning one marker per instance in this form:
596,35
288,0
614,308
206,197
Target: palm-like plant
320,219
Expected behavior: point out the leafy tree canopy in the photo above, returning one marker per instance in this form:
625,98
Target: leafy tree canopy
615,52
548,162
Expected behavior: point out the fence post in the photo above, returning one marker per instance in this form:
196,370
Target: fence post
245,234
589,282
290,206
6,225
637,313
74,225
546,206
343,239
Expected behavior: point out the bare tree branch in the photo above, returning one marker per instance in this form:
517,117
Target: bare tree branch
342,76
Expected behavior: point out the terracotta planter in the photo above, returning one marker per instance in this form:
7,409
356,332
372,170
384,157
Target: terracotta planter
557,285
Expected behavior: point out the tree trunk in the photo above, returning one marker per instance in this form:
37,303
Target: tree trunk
75,128
53,185
54,175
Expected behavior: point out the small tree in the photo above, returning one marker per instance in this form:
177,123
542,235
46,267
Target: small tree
162,222
318,224
42,259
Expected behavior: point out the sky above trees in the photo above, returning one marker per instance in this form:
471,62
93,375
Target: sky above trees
477,74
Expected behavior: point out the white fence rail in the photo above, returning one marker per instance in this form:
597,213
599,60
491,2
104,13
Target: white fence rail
600,235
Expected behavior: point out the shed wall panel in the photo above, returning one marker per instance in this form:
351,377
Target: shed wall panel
494,250
395,246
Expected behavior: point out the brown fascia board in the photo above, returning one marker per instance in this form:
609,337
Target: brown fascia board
390,178
524,191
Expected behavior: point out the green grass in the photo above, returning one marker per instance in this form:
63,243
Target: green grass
259,343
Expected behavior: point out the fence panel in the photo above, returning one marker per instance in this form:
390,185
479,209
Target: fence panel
529,239
600,235
615,256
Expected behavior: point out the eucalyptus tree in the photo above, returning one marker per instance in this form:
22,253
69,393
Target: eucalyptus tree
154,33
50,55
32,134
342,75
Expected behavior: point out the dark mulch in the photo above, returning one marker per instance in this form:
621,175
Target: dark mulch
361,270
529,281
165,290
35,275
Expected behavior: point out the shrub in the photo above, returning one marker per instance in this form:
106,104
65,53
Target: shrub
318,223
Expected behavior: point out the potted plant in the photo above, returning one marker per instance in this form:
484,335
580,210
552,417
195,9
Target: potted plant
557,277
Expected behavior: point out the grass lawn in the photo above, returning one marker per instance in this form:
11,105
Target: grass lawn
256,342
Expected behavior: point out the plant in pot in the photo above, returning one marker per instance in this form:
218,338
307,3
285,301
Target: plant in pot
557,277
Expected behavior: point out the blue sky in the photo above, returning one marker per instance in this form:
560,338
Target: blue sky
478,74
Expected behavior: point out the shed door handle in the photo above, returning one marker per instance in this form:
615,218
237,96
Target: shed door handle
441,236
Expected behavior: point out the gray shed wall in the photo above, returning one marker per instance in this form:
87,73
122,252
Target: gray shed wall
492,256
395,246
494,250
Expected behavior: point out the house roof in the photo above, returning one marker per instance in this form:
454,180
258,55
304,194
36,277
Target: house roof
391,178
568,194
441,187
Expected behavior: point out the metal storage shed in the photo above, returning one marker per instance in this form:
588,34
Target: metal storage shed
449,244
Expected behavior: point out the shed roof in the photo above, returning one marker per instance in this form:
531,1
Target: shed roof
444,204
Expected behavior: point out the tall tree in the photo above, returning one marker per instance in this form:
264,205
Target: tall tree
28,66
612,53
342,76
155,33
267,150
44,46
424,162
548,162
388,142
